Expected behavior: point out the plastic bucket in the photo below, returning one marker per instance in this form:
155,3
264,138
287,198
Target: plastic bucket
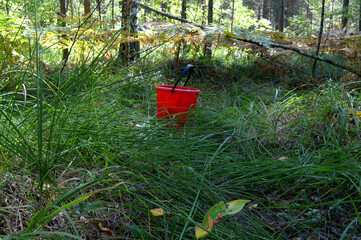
176,102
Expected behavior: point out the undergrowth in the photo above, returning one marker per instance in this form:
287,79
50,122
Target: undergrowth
105,160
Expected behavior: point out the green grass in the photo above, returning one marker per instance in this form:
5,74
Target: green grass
100,155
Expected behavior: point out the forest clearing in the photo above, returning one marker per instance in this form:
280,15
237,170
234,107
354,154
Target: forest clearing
267,147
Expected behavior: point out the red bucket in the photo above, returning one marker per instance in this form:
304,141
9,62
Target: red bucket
176,102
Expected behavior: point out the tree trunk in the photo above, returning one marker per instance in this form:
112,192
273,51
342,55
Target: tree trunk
99,8
86,8
204,10
210,11
29,41
71,8
345,14
265,13
146,11
113,14
281,16
288,12
123,47
134,45
208,45
61,22
275,7
129,48
309,13
7,7
164,5
308,9
184,9
319,38
232,16
359,18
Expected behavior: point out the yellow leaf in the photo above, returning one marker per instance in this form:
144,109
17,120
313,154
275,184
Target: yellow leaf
200,232
358,114
158,212
105,230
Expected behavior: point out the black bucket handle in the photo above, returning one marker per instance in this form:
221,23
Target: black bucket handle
188,67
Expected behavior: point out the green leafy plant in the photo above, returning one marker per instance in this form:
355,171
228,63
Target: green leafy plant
217,212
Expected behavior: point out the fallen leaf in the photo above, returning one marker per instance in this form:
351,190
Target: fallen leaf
200,232
106,231
159,212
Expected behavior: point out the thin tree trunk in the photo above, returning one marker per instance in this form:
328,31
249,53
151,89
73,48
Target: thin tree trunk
86,8
208,44
265,13
288,12
113,14
7,7
29,41
123,48
359,18
62,23
71,8
232,17
184,9
134,45
311,17
271,11
164,5
99,8
345,14
308,9
276,13
204,9
210,11
319,38
280,19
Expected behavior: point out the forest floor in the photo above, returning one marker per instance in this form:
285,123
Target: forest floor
291,148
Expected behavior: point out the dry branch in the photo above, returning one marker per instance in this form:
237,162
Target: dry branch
145,6
297,50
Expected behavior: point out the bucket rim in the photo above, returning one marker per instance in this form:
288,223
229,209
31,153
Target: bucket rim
177,88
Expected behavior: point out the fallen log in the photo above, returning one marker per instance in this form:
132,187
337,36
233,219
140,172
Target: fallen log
297,50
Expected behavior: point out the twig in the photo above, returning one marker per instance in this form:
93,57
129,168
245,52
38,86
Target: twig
145,6
297,50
